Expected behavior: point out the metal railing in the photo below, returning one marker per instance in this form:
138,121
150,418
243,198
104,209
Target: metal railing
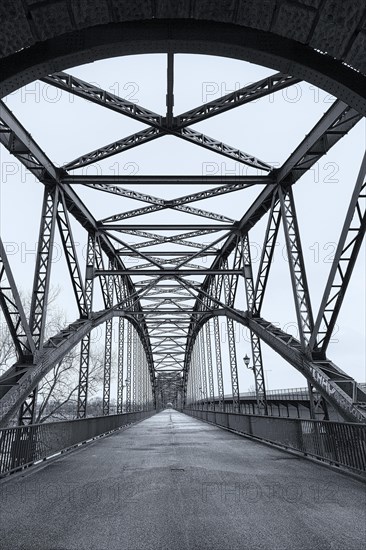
339,443
25,445
290,393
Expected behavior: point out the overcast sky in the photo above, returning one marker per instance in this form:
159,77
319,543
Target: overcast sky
270,128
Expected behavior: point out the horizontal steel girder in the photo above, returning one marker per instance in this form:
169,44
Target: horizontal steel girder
167,180
167,272
167,227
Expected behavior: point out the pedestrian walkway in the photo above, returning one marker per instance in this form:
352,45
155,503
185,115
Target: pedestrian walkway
172,482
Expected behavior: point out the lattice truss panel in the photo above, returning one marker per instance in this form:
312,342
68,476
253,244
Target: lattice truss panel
185,276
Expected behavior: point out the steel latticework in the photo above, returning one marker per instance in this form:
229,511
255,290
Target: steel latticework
184,294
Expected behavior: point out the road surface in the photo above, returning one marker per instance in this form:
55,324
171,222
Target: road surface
172,482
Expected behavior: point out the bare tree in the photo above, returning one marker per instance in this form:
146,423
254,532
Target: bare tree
57,392
7,350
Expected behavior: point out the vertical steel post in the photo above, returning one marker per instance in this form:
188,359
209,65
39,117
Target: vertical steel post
220,379
129,366
257,368
107,367
41,284
85,343
230,287
120,359
203,368
42,273
210,367
134,368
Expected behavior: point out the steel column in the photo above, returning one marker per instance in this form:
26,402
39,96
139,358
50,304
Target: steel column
85,343
257,368
210,367
230,286
42,272
203,367
120,384
220,380
129,367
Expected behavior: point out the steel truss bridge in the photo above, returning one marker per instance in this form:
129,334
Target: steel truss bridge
168,305
174,478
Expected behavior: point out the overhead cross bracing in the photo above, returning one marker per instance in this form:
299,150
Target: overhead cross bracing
172,280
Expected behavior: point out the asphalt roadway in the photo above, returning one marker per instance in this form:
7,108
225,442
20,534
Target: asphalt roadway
175,483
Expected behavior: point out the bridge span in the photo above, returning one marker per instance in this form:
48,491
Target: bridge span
174,482
181,270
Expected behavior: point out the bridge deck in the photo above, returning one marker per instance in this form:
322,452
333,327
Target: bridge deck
173,482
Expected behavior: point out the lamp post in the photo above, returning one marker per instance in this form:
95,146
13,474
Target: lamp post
246,363
203,394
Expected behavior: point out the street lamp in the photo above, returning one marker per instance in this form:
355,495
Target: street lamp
246,361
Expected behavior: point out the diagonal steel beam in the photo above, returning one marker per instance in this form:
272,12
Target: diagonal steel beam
149,259
188,134
335,123
176,204
68,244
125,144
297,266
12,308
156,239
246,94
268,249
345,257
150,134
198,254
158,204
73,85
157,129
